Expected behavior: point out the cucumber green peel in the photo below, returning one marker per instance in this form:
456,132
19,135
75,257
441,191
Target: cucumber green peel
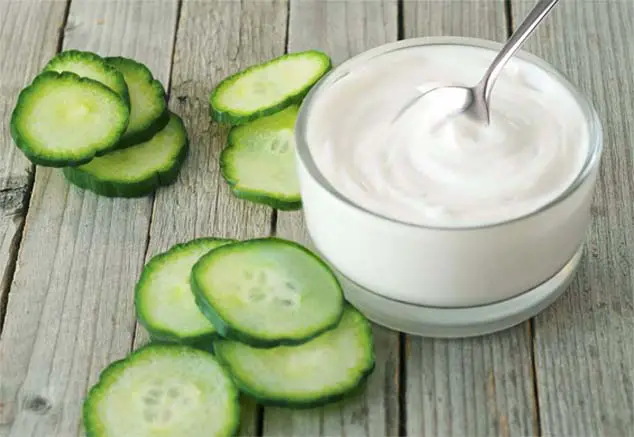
259,162
164,301
323,370
267,88
148,113
163,390
267,292
138,170
62,119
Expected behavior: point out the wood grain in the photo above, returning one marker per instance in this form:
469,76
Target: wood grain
343,29
29,33
70,310
214,40
478,386
583,343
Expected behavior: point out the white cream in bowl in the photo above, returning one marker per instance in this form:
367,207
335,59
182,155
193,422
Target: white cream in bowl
435,209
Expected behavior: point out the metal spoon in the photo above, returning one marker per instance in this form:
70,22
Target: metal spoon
474,101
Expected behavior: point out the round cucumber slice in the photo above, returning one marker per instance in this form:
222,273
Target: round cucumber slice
267,88
62,119
163,390
92,66
164,301
325,369
259,163
139,170
267,292
149,113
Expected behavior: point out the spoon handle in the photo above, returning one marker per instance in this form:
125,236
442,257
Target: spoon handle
523,31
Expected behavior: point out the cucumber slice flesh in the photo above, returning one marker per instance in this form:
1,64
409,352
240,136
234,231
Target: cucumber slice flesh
149,113
322,370
138,170
267,88
164,300
92,66
259,163
266,292
163,390
62,119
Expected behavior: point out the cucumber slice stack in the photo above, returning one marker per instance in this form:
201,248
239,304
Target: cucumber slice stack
265,317
271,310
260,103
105,121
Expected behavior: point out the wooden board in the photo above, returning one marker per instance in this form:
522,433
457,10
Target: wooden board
478,386
215,39
29,34
343,29
70,310
584,344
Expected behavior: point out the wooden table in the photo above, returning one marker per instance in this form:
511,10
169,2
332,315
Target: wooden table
69,259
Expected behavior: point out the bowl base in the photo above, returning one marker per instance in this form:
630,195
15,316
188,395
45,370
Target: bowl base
448,322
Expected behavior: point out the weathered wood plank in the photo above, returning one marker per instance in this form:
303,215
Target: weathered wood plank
480,386
583,343
210,46
343,29
70,310
29,33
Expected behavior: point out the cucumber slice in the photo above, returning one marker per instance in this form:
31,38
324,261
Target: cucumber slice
259,163
149,113
139,170
164,301
267,88
61,119
267,292
325,369
163,390
92,66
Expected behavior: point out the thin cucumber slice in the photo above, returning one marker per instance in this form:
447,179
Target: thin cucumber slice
149,113
267,292
164,301
259,163
139,170
62,119
267,88
92,66
325,369
163,390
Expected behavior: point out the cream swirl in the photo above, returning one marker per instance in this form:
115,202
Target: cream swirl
431,168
